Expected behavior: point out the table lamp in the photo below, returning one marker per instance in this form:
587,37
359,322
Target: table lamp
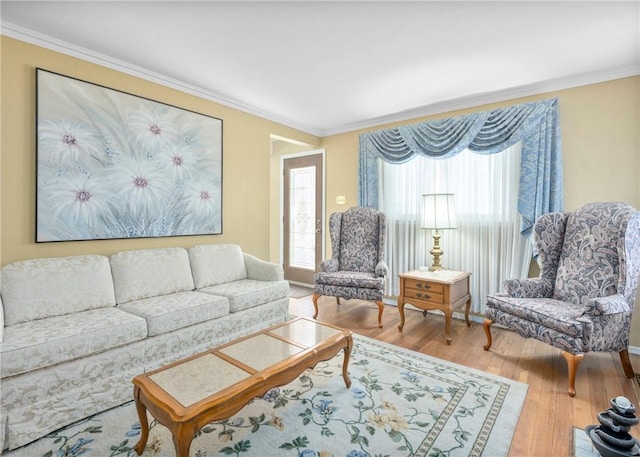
438,213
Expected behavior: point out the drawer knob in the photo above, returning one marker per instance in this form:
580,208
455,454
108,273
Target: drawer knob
426,296
420,286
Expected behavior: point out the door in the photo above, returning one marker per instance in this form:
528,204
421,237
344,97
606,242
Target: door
302,217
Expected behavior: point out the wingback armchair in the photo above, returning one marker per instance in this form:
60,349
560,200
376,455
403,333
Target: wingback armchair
583,299
356,268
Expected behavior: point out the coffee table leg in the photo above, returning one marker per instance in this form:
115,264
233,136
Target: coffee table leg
182,438
345,364
144,423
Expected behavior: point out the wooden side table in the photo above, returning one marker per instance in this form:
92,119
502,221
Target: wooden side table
443,290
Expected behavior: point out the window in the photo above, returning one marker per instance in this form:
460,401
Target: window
487,242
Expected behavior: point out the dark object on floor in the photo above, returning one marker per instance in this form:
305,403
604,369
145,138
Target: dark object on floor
611,438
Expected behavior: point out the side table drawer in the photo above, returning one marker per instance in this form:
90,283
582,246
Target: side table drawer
425,286
424,290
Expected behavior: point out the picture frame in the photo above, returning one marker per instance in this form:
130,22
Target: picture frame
113,165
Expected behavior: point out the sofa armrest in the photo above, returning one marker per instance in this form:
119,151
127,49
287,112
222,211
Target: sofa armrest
529,288
329,265
602,306
261,269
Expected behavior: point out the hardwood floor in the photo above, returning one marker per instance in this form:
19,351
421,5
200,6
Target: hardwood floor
548,415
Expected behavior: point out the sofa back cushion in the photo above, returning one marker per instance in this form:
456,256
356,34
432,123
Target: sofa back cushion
148,273
40,288
214,264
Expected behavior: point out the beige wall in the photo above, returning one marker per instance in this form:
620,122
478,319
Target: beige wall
246,156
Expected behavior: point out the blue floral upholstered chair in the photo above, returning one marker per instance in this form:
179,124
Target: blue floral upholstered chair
356,268
583,299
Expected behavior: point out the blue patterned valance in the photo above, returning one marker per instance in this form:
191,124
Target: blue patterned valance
536,124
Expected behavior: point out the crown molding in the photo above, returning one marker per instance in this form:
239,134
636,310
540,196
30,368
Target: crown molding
54,44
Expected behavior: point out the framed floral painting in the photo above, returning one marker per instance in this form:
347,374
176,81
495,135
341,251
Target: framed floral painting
115,165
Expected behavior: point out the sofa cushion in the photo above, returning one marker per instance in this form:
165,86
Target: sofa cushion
247,293
48,287
214,264
173,311
148,273
44,342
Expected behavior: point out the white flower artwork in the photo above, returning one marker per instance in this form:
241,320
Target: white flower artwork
115,165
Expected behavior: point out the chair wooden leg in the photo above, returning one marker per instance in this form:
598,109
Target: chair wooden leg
315,304
573,360
338,300
626,363
487,331
380,310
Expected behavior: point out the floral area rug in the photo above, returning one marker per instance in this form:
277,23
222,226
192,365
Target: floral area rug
401,403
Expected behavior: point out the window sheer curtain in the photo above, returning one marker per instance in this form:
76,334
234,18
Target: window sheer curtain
487,242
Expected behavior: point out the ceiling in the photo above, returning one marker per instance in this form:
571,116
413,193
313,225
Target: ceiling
335,66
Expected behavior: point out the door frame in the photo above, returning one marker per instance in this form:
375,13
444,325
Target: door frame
323,179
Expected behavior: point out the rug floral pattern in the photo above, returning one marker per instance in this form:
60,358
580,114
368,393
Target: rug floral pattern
401,403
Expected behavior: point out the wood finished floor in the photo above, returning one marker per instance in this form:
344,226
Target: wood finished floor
548,415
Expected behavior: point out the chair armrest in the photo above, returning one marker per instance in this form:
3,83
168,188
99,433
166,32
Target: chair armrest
329,265
601,306
382,269
529,288
262,270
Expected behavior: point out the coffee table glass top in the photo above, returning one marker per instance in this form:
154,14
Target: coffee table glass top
305,332
261,351
198,378
195,379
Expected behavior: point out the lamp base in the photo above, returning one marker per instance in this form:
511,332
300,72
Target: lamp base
436,252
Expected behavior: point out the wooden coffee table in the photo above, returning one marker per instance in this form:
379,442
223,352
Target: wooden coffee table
188,394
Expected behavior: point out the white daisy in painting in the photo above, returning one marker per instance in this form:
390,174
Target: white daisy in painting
201,207
152,129
140,187
79,201
180,161
64,141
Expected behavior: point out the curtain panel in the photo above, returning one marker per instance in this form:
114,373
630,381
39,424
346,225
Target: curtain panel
536,124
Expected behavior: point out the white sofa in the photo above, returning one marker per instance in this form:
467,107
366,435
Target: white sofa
77,329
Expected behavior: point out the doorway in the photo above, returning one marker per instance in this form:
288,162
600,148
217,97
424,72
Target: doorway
303,221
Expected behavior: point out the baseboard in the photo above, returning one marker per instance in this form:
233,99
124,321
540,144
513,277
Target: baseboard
634,350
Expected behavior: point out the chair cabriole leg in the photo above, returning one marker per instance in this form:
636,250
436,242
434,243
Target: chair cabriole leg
315,304
626,363
573,360
380,310
487,331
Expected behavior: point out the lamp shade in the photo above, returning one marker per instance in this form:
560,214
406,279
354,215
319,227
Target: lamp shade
438,211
